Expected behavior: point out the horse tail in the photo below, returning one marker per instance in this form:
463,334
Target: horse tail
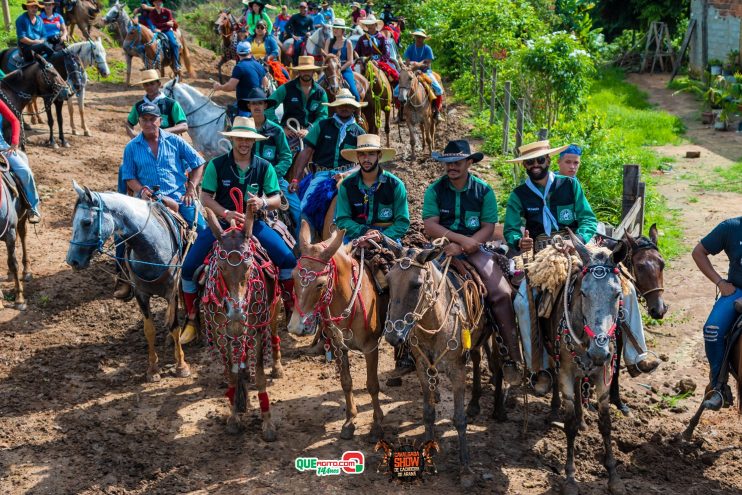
185,54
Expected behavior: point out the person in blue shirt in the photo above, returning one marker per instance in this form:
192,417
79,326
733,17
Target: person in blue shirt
156,159
317,18
29,29
727,237
327,12
246,75
419,56
56,30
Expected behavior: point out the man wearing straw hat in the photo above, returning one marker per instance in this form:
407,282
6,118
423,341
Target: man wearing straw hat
544,205
374,45
302,98
172,114
324,142
256,178
30,32
463,208
419,56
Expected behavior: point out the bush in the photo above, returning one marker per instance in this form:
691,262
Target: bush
198,21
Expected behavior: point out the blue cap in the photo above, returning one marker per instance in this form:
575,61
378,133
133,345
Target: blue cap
149,109
572,149
244,48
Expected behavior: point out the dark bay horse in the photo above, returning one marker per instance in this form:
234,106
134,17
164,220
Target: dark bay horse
153,252
417,109
226,26
240,314
82,15
335,289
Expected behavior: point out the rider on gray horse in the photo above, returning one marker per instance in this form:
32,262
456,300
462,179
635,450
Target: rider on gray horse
546,204
463,208
160,165
727,237
172,114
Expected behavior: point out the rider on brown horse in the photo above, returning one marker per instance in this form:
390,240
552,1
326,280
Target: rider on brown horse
546,204
160,19
373,45
463,208
727,237
419,56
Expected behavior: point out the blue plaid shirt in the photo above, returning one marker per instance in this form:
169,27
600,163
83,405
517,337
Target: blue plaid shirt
175,158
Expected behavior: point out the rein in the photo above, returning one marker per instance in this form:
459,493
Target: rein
648,245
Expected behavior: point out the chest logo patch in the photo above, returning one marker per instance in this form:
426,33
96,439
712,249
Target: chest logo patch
385,213
566,216
472,222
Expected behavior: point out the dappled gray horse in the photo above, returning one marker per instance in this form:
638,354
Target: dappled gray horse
153,246
91,53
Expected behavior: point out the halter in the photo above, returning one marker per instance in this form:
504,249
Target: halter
644,245
99,209
418,84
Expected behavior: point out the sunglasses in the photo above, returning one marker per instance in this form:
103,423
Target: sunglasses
259,27
531,161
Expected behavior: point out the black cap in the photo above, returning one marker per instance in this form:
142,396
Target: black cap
149,109
255,94
457,150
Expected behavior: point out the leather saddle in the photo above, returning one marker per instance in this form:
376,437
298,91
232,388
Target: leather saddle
167,50
13,183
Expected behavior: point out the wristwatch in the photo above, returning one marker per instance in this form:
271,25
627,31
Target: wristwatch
224,215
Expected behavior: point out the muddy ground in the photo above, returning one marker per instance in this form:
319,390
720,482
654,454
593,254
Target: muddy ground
77,416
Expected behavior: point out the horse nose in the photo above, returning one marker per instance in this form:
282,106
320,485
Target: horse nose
658,311
394,338
598,354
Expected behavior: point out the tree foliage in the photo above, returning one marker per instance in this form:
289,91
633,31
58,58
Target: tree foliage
615,16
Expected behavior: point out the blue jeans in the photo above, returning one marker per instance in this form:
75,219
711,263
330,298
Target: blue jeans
277,249
718,325
293,199
348,76
19,165
174,46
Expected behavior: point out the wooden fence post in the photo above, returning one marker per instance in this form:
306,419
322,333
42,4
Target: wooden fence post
640,217
633,189
519,122
481,83
506,120
493,96
6,14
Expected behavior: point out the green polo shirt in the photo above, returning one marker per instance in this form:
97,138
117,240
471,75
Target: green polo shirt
463,209
171,112
210,182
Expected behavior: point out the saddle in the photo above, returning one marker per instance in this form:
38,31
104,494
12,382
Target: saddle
167,50
427,83
273,220
15,187
16,60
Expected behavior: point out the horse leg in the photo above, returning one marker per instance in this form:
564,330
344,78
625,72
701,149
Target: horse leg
413,138
81,106
277,371
458,383
71,112
615,389
60,123
346,380
51,143
372,384
556,403
615,484
10,238
153,372
571,428
182,369
387,126
472,409
35,117
237,393
269,429
219,64
128,69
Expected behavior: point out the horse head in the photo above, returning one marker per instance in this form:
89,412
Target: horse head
314,277
92,224
113,13
597,305
99,56
332,74
47,80
646,263
405,83
76,76
411,291
224,24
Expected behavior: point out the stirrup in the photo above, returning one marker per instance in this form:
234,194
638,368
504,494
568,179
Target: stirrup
189,332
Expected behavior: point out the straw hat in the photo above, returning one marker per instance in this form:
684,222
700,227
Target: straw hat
306,62
149,75
370,21
339,23
356,5
31,3
421,33
244,127
534,150
369,142
345,97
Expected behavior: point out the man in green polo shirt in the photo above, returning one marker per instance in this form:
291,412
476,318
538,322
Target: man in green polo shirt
172,114
463,208
371,198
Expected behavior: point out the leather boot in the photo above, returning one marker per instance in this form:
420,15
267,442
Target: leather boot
122,290
190,331
646,365
287,296
404,365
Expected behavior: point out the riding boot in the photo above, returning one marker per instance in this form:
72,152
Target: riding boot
122,290
189,331
287,296
646,365
714,398
437,104
404,364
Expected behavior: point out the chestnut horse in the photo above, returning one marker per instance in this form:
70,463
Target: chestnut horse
226,26
334,81
335,289
142,42
417,109
239,311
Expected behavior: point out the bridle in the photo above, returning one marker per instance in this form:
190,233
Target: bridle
413,80
336,77
137,43
641,246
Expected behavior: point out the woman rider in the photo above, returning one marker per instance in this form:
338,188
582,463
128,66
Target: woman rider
341,46
56,30
254,14
256,178
264,45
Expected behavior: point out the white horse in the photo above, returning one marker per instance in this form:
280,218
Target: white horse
91,53
205,118
316,41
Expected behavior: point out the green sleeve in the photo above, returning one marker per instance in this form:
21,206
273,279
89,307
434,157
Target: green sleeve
209,180
312,136
270,182
283,152
177,115
513,221
430,203
269,27
133,118
343,218
587,224
401,214
278,95
323,111
489,208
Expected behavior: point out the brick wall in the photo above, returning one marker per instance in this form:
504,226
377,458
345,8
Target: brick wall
727,7
724,25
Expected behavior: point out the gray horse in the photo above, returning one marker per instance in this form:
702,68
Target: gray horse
153,250
13,214
585,349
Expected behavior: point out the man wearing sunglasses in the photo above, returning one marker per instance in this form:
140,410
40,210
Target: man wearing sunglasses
544,205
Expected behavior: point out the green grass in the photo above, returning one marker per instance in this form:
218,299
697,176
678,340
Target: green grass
725,179
118,72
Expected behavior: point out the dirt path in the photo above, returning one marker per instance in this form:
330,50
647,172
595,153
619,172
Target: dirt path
76,415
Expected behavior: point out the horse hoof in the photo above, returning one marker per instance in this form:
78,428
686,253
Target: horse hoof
53,146
233,427
27,277
270,435
570,488
472,410
74,132
277,372
467,478
21,306
623,407
347,432
394,382
183,371
500,416
153,376
376,433
616,486
65,144
87,133
437,395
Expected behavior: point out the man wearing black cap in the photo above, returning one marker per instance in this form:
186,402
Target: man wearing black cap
387,15
463,208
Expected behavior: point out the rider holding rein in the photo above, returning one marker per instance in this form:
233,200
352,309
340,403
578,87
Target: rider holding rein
247,74
727,237
173,116
241,168
297,30
56,29
254,14
18,162
263,44
372,43
158,18
341,46
463,208
29,29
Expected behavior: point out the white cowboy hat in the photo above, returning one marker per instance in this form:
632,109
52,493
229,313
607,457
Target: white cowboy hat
534,150
372,20
369,142
244,127
306,62
339,23
345,97
421,33
149,75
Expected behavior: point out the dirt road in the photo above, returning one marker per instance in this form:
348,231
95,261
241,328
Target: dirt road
77,416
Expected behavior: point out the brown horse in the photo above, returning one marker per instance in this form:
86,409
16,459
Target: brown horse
417,109
226,26
332,287
140,41
83,15
334,81
379,98
240,316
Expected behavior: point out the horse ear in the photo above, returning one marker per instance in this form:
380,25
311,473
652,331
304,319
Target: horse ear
335,241
213,223
428,255
629,240
305,236
619,252
580,247
81,193
654,234
247,227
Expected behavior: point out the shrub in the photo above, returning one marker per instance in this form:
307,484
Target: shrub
198,21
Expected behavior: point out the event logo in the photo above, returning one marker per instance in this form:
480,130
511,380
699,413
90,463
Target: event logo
352,462
406,462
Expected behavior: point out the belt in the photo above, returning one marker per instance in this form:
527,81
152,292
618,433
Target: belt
382,224
337,170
